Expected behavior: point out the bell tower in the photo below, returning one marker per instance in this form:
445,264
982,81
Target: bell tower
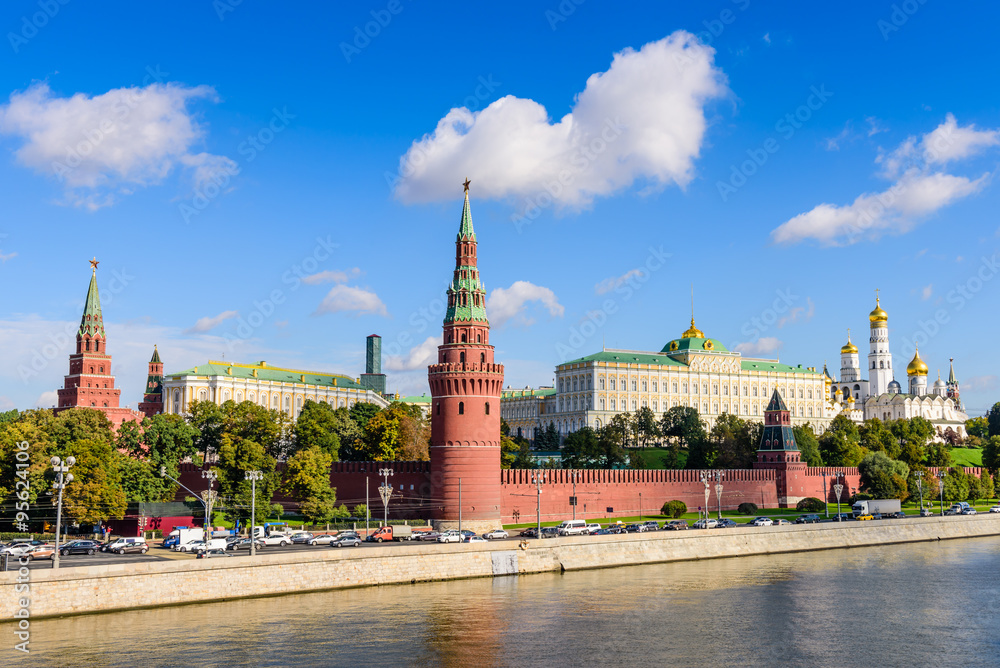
465,386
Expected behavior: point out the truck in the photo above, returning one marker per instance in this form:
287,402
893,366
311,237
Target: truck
392,532
876,507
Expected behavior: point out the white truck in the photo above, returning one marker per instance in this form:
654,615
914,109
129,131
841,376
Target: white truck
876,507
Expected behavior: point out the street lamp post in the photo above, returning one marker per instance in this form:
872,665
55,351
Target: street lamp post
718,490
385,491
920,488
460,508
537,479
707,484
63,478
204,501
941,475
210,476
574,475
253,477
826,496
838,489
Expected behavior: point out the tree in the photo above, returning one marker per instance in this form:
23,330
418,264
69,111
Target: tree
988,486
682,424
645,426
938,455
237,455
840,444
361,511
96,492
978,427
414,438
747,508
702,453
991,453
619,428
582,449
509,449
504,427
993,420
349,434
956,485
378,442
142,482
735,441
362,412
167,440
882,477
810,504
612,454
547,439
206,418
673,509
523,460
307,475
317,426
808,444
876,437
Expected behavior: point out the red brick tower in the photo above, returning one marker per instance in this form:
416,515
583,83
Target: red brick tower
779,452
89,383
465,389
152,399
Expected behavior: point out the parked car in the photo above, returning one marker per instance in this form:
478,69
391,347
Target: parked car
705,524
243,544
429,536
321,539
969,511
762,522
211,554
616,529
651,525
676,525
865,517
278,539
79,547
346,540
781,522
843,517
601,532
593,528
450,537
995,509
899,516
301,537
106,546
550,532
530,532
726,523
474,539
40,552
193,546
635,528
17,549
927,512
496,534
132,548
807,519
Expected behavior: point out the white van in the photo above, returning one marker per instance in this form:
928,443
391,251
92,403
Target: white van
124,545
572,527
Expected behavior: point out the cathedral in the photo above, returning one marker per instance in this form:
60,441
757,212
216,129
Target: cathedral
882,396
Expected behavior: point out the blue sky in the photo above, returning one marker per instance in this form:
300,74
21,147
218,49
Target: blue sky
222,156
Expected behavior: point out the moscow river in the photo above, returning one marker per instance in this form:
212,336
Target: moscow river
926,604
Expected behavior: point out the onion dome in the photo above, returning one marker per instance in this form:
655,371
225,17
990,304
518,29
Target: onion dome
693,332
940,384
916,367
895,387
878,317
849,348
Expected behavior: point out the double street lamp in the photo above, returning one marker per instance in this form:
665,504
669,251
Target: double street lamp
718,490
385,491
920,488
206,499
838,489
253,477
705,480
63,478
941,475
537,479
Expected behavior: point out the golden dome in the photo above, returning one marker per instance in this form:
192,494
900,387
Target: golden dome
693,332
916,367
878,316
849,348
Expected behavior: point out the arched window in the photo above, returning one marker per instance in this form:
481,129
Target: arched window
439,408
479,338
97,346
461,408
600,383
91,369
101,369
88,345
463,337
633,386
881,365
482,358
612,385
487,408
461,358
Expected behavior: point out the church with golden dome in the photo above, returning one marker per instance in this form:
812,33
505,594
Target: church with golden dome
881,396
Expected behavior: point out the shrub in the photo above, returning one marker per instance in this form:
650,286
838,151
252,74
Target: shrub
810,504
674,509
747,508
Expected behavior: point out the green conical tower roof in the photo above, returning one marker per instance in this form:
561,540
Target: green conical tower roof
92,322
155,359
951,373
465,231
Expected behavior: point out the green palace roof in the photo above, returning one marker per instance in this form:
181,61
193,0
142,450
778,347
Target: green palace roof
528,392
628,357
769,365
415,399
693,343
261,371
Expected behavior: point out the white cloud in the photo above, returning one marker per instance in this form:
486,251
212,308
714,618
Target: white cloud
766,345
6,404
419,356
927,291
642,119
210,322
981,383
833,143
103,146
332,276
47,399
767,37
349,298
7,256
609,284
507,304
797,313
918,190
874,126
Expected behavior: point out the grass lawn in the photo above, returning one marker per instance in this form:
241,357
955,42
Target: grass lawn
967,456
656,457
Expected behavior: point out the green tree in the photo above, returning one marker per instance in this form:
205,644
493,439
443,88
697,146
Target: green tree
808,444
349,434
937,455
378,443
27,428
317,426
645,426
876,437
96,493
882,477
993,420
237,455
619,428
612,453
988,486
504,427
673,509
523,460
735,441
206,418
362,412
956,485
413,440
978,427
991,454
509,449
547,439
682,424
840,445
141,482
582,450
360,511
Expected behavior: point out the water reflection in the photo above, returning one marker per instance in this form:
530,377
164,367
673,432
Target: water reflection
921,604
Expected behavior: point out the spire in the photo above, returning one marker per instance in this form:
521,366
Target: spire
92,322
156,356
465,230
951,374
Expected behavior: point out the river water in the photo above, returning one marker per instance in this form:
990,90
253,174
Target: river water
926,604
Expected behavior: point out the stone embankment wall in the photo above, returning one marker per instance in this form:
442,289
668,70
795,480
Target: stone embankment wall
150,584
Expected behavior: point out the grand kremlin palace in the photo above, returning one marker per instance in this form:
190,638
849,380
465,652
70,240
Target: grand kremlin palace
691,371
